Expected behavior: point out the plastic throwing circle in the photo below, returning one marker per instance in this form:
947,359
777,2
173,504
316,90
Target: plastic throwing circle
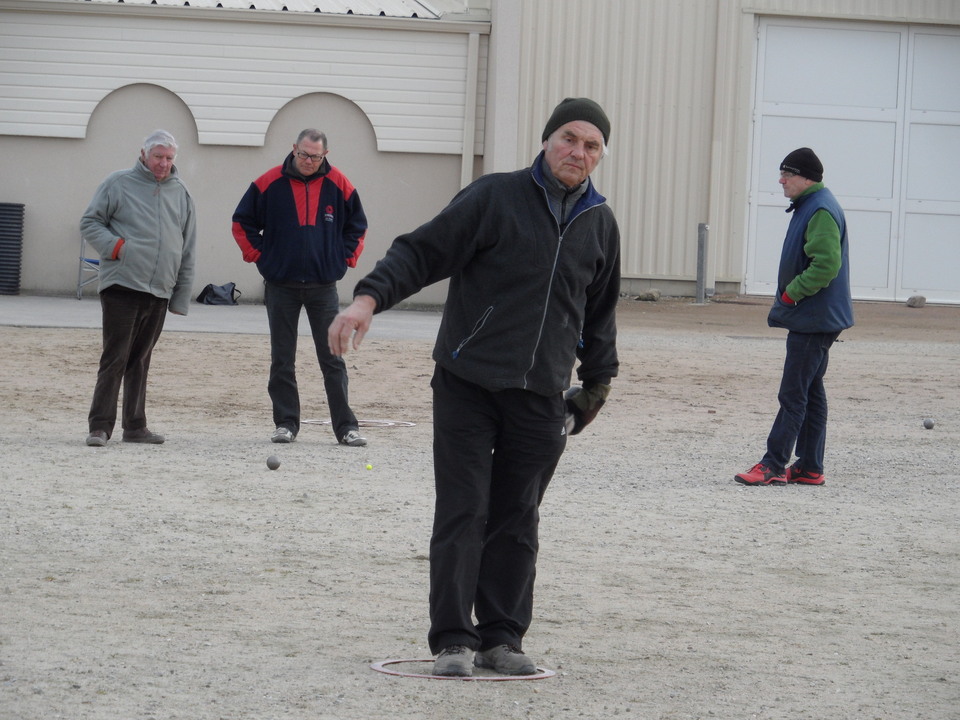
366,423
383,666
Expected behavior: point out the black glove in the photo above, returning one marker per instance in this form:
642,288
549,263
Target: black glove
583,404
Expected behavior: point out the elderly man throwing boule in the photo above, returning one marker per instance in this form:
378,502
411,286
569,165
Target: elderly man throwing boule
533,259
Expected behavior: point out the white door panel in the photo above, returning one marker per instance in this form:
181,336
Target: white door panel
933,163
930,249
771,224
931,256
880,105
831,66
870,247
935,80
860,153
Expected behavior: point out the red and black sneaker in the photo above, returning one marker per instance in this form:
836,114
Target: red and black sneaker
760,474
804,477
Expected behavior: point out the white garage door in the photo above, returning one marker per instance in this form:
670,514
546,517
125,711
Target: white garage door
880,105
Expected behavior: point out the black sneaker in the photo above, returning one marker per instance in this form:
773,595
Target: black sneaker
505,660
453,661
282,435
97,438
143,436
353,438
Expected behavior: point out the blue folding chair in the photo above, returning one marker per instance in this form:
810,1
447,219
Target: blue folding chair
89,270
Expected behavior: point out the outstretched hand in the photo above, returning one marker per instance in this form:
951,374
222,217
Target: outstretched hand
350,325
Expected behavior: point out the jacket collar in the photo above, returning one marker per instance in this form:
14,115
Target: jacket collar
290,169
802,197
590,195
144,172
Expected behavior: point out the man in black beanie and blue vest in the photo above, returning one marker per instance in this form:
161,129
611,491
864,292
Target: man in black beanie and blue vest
533,260
813,303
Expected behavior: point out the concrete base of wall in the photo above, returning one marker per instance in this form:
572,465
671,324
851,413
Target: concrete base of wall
674,288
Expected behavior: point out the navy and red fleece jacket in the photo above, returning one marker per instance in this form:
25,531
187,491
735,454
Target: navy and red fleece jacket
300,230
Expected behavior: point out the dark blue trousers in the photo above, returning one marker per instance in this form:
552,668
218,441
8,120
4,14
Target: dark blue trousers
802,419
494,455
283,314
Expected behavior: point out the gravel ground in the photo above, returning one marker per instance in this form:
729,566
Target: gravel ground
189,581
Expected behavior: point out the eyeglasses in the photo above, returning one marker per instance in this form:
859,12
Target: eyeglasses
312,158
786,174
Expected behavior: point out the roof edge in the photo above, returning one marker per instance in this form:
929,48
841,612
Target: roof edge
83,7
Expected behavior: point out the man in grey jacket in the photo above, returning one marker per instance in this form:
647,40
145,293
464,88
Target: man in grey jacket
142,223
533,259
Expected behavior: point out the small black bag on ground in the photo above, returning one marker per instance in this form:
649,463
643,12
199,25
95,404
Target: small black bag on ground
219,294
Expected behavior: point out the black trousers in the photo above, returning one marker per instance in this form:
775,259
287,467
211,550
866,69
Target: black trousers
132,323
283,314
494,455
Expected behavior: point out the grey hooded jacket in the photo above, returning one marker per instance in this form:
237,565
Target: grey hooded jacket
155,224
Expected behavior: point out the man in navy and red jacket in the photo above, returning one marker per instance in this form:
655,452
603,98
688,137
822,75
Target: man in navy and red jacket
303,225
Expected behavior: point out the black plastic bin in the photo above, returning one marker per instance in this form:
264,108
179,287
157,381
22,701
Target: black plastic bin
11,247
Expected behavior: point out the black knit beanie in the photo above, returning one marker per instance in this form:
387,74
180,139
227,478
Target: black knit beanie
805,163
578,109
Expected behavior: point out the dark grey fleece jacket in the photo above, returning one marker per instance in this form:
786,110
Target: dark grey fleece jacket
526,300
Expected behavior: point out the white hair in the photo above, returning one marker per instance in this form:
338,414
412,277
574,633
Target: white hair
159,138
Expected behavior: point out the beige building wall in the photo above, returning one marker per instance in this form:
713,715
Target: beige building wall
56,178
676,79
402,103
651,65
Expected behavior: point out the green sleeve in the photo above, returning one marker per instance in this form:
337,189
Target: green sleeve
822,246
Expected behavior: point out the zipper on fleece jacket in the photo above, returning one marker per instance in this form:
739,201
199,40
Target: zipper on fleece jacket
477,326
553,273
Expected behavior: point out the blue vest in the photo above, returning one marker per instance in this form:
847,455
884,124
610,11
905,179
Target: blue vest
830,309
